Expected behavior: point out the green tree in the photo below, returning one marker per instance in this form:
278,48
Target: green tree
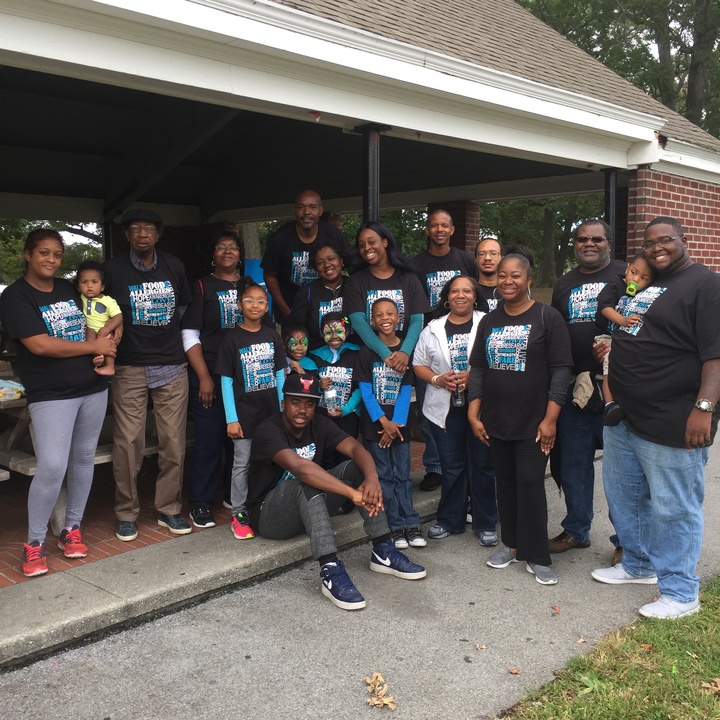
544,225
668,48
12,240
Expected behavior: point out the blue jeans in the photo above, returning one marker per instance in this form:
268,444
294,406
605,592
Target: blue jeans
466,465
210,441
431,454
655,494
393,469
579,436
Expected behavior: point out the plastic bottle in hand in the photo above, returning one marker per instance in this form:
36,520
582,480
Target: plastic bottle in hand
331,401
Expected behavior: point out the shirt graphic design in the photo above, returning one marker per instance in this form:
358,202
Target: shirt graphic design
492,304
386,383
152,303
639,305
302,273
395,295
435,283
230,315
257,363
64,320
328,306
458,346
583,302
506,347
307,452
341,382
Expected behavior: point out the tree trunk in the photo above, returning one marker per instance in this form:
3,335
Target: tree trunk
706,29
251,240
546,270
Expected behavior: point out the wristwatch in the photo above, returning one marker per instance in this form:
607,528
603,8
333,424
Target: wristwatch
705,406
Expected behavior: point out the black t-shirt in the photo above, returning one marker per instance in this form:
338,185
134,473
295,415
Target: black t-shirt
609,297
213,311
575,296
251,359
436,271
491,296
288,256
27,312
656,365
312,302
321,435
516,353
149,302
363,289
386,384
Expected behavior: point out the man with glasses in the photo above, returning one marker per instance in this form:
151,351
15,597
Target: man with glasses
488,253
151,288
580,431
665,375
436,265
286,262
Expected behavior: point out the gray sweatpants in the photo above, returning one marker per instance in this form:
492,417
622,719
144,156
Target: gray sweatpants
293,508
66,435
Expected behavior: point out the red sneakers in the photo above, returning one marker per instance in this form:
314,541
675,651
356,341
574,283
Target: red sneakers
241,527
70,542
34,562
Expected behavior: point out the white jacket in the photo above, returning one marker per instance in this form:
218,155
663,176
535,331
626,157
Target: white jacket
432,351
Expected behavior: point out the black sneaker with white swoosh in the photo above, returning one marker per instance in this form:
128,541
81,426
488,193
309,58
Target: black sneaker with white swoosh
390,561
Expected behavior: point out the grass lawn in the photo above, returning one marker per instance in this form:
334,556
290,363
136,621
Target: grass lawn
650,670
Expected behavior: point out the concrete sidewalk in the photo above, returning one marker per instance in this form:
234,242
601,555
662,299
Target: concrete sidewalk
80,602
66,607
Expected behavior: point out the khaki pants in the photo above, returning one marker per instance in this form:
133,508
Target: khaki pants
129,402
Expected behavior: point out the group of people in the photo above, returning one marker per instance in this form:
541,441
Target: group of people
500,379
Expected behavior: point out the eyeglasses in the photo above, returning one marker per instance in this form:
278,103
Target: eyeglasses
660,242
487,253
136,229
583,239
225,248
253,301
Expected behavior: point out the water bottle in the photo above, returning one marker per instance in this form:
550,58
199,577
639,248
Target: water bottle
331,400
458,397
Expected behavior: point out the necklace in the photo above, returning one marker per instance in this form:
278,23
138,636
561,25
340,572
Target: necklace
234,282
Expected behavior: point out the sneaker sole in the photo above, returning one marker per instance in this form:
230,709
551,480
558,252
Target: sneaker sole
376,567
341,603
553,581
35,573
439,537
77,555
500,566
174,531
126,538
670,617
244,537
400,545
418,543
488,544
201,525
628,581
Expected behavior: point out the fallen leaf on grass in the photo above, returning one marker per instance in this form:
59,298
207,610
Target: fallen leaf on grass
581,640
377,687
647,647
515,671
480,646
713,686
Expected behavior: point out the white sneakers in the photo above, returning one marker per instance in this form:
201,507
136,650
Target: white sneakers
617,575
665,608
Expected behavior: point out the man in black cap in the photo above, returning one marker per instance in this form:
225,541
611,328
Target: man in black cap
287,490
151,288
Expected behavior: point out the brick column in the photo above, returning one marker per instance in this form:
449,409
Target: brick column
695,204
466,218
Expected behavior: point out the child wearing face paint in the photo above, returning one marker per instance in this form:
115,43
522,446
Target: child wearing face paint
336,366
615,312
295,340
384,417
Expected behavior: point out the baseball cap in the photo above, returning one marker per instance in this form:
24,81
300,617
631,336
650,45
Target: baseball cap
303,385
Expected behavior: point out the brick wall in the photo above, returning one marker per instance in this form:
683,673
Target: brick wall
695,204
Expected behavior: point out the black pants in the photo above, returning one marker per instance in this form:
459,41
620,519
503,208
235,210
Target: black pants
522,505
